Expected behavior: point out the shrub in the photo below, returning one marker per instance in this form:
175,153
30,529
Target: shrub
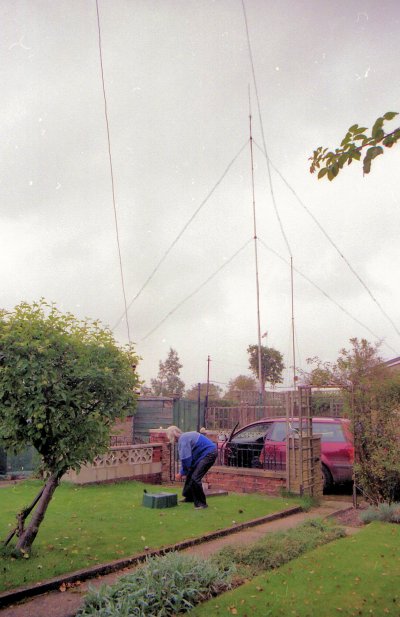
389,513
276,549
164,586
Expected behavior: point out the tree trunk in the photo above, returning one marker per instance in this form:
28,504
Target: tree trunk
27,538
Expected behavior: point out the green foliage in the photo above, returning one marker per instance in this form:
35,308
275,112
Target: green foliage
214,392
164,586
388,513
372,399
355,144
271,364
62,384
352,576
239,384
168,382
275,549
374,410
88,525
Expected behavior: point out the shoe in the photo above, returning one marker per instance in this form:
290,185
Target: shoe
202,507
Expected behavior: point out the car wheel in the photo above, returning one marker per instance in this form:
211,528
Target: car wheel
327,480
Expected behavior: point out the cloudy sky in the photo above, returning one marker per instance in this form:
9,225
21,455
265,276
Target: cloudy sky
177,78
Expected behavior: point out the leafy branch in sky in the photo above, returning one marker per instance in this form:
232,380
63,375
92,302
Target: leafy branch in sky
355,145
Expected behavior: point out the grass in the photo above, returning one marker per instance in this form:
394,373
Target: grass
276,549
354,576
95,524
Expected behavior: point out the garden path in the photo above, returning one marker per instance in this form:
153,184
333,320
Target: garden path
66,603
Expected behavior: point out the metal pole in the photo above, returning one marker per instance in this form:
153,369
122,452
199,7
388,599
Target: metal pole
260,381
293,336
207,391
198,406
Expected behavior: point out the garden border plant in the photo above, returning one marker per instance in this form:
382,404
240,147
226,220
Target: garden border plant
173,584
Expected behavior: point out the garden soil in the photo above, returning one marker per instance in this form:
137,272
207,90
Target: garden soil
66,601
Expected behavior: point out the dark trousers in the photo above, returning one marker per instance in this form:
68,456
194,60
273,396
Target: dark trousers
193,489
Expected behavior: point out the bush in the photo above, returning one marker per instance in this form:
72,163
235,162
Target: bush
389,513
164,586
276,549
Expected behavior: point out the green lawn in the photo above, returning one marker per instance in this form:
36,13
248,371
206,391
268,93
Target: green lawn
358,575
95,524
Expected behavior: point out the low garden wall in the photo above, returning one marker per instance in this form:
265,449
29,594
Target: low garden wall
142,463
239,480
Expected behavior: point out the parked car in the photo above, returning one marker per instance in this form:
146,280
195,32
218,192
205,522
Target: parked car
262,444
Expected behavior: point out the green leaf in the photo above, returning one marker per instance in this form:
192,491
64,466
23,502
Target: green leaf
367,165
322,172
377,129
389,115
372,153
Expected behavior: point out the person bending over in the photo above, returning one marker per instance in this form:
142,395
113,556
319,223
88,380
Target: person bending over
197,454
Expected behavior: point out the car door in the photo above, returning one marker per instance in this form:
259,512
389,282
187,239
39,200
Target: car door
245,447
274,452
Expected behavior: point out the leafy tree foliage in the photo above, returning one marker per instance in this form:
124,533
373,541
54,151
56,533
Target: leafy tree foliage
357,144
214,392
168,382
271,364
372,397
354,366
240,383
63,382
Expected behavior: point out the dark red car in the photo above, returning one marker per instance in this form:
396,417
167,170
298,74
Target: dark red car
262,444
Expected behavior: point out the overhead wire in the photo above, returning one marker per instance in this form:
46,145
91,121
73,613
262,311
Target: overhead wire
331,241
270,183
271,187
182,231
125,313
196,290
360,323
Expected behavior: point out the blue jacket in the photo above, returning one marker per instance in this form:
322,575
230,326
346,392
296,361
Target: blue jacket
192,447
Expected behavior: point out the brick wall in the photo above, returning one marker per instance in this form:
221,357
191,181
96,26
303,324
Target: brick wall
245,480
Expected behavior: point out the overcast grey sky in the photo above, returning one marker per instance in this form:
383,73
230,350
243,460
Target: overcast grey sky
177,74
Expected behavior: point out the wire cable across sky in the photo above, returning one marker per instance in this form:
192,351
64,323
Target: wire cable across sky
182,231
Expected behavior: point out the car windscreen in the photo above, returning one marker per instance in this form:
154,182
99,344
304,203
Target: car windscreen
252,434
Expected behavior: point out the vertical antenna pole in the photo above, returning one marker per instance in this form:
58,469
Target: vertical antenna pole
207,391
293,332
260,379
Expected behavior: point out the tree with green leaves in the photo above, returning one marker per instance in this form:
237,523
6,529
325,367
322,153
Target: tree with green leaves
372,401
356,145
63,383
271,364
241,383
214,392
168,382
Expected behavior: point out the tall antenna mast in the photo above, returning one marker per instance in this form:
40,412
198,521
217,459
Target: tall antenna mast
293,331
260,380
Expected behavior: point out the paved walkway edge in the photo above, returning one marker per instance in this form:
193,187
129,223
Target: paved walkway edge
22,593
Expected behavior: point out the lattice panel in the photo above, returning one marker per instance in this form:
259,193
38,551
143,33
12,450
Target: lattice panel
124,456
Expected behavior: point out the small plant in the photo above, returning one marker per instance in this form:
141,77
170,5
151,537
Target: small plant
276,549
388,513
164,586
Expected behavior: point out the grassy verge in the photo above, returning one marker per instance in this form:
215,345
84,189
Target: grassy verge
95,524
353,576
